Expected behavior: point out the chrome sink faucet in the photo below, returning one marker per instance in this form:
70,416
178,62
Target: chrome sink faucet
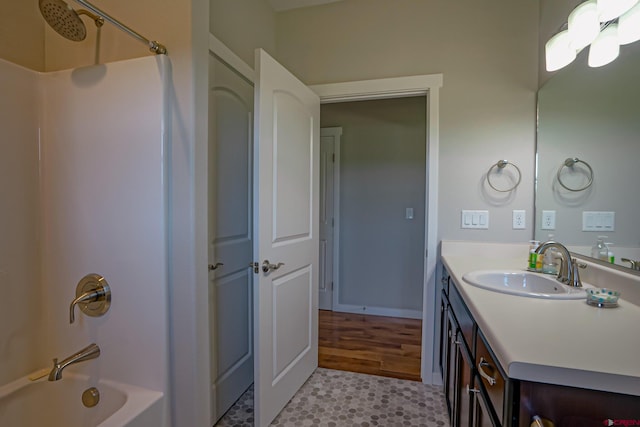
87,353
568,273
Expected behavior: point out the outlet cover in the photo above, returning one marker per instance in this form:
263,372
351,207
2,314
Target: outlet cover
519,220
548,220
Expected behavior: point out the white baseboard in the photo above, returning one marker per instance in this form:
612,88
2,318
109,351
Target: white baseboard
378,311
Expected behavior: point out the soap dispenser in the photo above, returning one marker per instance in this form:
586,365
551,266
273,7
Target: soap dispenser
550,258
599,250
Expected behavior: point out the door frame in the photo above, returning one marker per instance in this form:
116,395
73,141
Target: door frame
336,132
398,87
395,87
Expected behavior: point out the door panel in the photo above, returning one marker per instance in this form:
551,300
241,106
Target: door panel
230,235
286,198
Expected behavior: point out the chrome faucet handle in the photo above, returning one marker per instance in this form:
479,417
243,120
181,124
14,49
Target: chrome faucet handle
635,265
93,296
574,278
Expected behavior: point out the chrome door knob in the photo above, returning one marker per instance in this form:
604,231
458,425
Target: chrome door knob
267,266
215,266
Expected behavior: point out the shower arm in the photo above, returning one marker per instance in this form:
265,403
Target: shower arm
154,46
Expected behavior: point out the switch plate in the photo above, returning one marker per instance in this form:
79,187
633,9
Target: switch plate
598,221
519,219
408,213
548,220
475,219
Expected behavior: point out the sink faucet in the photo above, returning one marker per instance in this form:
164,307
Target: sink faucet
635,265
87,353
568,272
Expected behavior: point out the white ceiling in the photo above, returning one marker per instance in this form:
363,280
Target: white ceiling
281,5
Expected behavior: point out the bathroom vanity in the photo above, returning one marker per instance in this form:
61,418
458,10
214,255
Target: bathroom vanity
505,358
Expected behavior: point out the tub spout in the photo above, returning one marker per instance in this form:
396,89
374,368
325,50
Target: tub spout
87,353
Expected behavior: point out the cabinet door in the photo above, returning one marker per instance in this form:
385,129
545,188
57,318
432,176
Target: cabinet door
444,341
482,416
450,361
463,395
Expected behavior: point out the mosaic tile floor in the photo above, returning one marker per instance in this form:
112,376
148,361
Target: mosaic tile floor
333,398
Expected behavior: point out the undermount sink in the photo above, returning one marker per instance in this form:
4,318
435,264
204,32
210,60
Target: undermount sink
523,283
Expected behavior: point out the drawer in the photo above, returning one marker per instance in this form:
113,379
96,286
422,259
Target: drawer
491,376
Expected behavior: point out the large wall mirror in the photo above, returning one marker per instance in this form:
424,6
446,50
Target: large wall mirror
592,114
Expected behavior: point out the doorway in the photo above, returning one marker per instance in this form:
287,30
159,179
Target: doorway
379,164
385,88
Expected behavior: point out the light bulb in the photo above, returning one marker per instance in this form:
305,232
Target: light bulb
558,51
605,48
584,25
629,26
611,9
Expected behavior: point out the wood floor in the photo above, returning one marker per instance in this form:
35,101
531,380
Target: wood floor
377,345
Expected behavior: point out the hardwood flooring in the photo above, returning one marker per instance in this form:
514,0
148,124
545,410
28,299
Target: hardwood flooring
386,346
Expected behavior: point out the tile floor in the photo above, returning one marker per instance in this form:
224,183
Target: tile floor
333,398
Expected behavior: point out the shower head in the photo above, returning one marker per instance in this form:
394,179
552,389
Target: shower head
62,18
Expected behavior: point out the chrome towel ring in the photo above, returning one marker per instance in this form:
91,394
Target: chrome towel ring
570,163
500,165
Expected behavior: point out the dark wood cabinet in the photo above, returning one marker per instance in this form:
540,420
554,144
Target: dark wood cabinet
468,403
480,394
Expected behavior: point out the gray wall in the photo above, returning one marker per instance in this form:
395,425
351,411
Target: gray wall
488,53
382,172
244,25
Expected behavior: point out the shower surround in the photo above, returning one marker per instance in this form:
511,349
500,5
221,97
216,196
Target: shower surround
84,190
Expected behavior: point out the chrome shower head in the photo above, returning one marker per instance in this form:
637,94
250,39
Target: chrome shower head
62,18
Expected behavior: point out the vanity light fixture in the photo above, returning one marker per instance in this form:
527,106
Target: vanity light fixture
583,24
603,24
558,51
605,48
629,26
611,9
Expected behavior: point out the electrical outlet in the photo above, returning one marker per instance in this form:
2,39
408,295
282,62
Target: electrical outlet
548,220
519,220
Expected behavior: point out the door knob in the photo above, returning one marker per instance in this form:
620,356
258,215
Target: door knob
215,266
267,267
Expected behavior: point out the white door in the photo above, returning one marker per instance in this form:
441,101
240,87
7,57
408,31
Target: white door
230,235
286,179
329,146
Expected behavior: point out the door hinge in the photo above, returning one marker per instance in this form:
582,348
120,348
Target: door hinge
333,158
331,286
333,224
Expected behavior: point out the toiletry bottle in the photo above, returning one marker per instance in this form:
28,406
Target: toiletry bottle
599,250
550,256
610,256
533,256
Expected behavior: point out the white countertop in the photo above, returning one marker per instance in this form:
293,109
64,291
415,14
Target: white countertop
565,342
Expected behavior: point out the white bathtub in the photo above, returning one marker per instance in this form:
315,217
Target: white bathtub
25,403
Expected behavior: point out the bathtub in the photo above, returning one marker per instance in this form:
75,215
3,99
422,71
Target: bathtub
25,403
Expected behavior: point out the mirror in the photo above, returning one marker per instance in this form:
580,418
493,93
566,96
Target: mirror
592,114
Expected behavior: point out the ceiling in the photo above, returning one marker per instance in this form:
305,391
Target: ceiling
282,5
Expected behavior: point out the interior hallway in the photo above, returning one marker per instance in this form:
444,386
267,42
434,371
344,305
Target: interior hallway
377,345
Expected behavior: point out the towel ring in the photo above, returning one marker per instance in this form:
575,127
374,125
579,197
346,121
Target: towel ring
569,163
501,164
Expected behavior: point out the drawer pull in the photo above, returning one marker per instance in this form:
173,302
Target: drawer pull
472,390
482,364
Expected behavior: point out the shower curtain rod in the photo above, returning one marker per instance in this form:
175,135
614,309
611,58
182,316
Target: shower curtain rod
154,46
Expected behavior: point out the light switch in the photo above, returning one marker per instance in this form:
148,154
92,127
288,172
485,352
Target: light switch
598,221
408,214
475,219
